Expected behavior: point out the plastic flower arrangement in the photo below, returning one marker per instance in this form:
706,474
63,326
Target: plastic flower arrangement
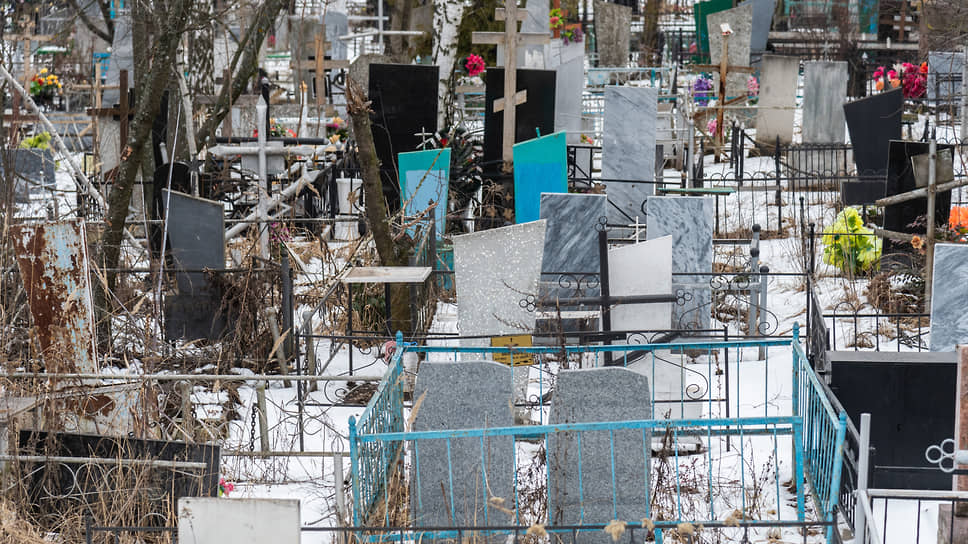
556,19
711,126
474,65
276,130
572,33
849,245
39,141
702,90
45,84
752,89
224,488
912,79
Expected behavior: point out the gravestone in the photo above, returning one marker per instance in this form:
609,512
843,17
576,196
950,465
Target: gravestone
455,487
583,488
214,520
638,269
949,321
569,83
778,99
738,53
945,73
303,42
537,22
689,220
824,94
196,238
425,178
762,21
494,270
571,242
612,32
537,114
540,166
944,168
700,11
628,149
872,123
901,179
404,105
33,171
122,56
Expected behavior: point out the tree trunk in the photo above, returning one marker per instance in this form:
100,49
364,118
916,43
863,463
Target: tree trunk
402,13
391,252
447,18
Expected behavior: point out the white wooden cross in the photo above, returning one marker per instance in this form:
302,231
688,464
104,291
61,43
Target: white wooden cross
511,39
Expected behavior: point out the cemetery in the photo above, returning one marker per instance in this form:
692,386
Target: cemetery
539,271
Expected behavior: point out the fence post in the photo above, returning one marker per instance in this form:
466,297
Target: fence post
929,250
310,342
338,481
691,153
260,395
764,285
355,471
88,523
863,464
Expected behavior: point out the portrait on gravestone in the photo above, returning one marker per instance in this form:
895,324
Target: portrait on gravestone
533,118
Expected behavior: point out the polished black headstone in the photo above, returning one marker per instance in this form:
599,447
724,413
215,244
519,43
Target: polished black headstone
872,123
900,179
538,112
404,104
862,192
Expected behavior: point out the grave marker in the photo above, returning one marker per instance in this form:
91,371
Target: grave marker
901,179
530,118
612,24
215,520
540,166
945,73
872,123
425,179
949,321
457,478
778,99
824,93
737,53
571,241
586,495
644,268
628,149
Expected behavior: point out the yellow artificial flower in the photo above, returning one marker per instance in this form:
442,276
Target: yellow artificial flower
44,71
59,86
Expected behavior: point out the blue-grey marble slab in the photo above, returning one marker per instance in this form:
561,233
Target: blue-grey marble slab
628,149
824,94
571,242
949,320
689,220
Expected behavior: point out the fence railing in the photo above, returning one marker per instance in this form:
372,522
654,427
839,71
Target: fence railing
383,454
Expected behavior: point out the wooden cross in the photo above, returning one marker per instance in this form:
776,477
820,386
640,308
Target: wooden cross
27,36
319,65
724,69
511,39
122,111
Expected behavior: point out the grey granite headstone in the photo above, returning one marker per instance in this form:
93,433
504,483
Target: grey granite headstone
584,494
571,242
467,395
824,94
638,269
612,31
569,80
689,220
778,98
537,21
945,72
494,270
740,20
949,320
762,20
628,149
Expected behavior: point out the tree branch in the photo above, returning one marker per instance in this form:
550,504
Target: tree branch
106,35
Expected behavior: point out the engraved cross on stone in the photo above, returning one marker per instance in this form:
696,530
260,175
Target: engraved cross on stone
511,39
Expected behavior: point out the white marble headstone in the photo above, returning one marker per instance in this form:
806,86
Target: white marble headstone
644,268
778,98
628,149
824,94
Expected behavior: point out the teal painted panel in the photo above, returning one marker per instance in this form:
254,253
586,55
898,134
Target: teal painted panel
700,10
540,166
425,177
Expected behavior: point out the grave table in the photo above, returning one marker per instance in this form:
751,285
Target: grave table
387,275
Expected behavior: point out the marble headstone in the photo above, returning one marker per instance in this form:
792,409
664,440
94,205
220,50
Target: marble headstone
540,166
689,220
945,73
628,149
824,94
425,178
585,494
494,270
778,98
738,54
467,395
209,520
949,321
571,240
644,268
569,83
612,28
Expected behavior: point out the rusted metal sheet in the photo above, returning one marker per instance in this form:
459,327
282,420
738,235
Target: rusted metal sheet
54,268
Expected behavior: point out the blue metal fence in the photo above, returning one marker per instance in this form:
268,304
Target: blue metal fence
382,452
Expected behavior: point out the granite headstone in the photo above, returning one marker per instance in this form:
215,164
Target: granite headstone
644,268
949,321
583,488
536,115
571,242
612,28
901,179
824,94
466,395
740,20
945,74
778,99
872,123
